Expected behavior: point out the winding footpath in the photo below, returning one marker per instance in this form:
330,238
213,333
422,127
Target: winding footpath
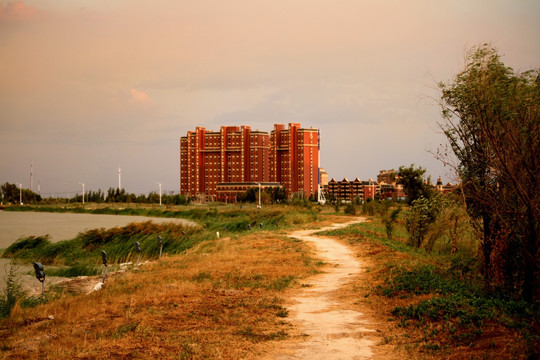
332,331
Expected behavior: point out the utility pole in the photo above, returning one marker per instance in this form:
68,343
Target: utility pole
31,175
119,179
20,193
82,192
321,199
159,194
259,207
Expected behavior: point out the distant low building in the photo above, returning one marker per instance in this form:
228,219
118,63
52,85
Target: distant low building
387,176
445,189
347,191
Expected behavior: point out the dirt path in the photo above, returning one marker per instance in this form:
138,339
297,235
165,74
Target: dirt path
333,332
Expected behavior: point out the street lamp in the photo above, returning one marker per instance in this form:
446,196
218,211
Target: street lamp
82,192
20,193
159,193
259,207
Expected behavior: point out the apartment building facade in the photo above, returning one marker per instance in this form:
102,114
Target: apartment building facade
211,159
294,158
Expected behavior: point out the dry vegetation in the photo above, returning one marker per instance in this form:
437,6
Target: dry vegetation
223,299
409,339
228,299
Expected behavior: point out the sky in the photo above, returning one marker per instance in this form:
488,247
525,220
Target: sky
88,87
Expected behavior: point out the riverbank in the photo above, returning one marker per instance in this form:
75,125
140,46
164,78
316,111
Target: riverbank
58,227
63,226
221,299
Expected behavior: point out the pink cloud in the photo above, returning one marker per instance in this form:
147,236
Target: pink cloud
139,97
15,11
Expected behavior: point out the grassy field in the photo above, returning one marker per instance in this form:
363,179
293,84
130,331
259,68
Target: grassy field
216,298
433,304
226,298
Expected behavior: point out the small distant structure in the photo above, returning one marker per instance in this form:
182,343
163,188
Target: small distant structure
387,177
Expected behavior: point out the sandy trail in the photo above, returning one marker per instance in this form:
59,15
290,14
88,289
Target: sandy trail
333,332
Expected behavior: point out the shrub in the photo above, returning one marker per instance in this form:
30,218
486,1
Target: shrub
350,209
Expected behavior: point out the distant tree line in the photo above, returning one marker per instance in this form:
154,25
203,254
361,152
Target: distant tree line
270,195
11,193
121,196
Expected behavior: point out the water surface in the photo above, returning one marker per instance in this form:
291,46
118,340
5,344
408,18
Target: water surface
59,226
62,226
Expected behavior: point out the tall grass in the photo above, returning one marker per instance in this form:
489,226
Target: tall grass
13,293
118,242
453,309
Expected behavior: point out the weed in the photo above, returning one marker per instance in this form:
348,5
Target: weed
13,293
281,283
122,330
201,276
252,335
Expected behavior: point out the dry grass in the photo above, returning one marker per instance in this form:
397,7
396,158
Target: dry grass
411,342
222,299
225,299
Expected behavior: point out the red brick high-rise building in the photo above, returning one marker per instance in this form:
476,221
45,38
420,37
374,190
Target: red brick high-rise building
294,158
239,155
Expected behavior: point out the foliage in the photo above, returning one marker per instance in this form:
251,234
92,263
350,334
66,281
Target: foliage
118,242
491,118
350,209
420,216
389,221
12,194
13,293
270,195
120,195
458,308
413,183
75,270
368,207
438,296
424,279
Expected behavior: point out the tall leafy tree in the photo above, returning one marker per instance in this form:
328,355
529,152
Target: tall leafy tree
413,183
12,193
490,116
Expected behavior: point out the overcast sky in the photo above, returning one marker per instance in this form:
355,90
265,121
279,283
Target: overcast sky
87,86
